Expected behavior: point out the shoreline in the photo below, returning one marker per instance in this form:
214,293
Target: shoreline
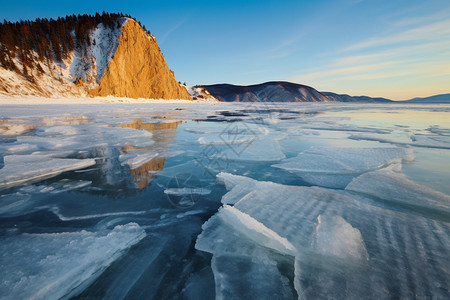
14,100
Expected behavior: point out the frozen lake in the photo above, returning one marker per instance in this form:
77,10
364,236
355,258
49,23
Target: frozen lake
227,201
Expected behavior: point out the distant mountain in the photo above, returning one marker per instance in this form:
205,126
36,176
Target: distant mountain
101,55
347,98
280,91
276,91
443,98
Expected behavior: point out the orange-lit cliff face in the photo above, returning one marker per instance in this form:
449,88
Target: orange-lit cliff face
121,60
138,69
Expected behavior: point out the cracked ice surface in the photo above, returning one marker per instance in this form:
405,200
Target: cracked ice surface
97,209
343,245
335,167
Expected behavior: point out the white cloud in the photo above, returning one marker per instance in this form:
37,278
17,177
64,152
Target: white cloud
172,29
431,32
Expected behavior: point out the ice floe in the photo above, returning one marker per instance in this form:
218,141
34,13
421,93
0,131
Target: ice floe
342,245
20,169
135,158
335,237
234,252
417,140
392,185
336,167
60,265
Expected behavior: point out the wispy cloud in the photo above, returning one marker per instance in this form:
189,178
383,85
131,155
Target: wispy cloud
416,48
349,70
411,21
430,32
396,53
172,29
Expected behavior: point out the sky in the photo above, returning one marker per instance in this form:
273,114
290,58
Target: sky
380,48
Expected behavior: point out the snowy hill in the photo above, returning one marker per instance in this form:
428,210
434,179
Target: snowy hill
443,98
199,93
280,91
276,91
347,98
97,55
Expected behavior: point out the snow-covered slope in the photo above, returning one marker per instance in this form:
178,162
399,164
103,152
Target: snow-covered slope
89,64
276,91
443,98
81,71
280,91
347,98
199,93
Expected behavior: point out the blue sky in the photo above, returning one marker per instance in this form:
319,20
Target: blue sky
395,49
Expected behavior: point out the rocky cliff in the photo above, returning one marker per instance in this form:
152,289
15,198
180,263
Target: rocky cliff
117,58
138,69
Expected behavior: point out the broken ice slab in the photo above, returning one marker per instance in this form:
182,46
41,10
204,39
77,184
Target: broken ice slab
246,226
336,167
336,237
345,246
86,136
218,140
135,158
80,137
418,140
261,273
392,185
60,265
20,169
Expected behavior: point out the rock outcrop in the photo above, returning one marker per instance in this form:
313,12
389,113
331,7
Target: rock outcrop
138,69
120,59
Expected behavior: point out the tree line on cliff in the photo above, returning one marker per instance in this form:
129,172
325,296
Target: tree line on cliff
24,44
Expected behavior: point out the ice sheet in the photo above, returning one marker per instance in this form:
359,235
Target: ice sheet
250,228
417,140
344,246
392,185
219,140
186,191
259,150
134,159
20,169
86,136
405,243
60,265
335,237
335,167
238,277
234,252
